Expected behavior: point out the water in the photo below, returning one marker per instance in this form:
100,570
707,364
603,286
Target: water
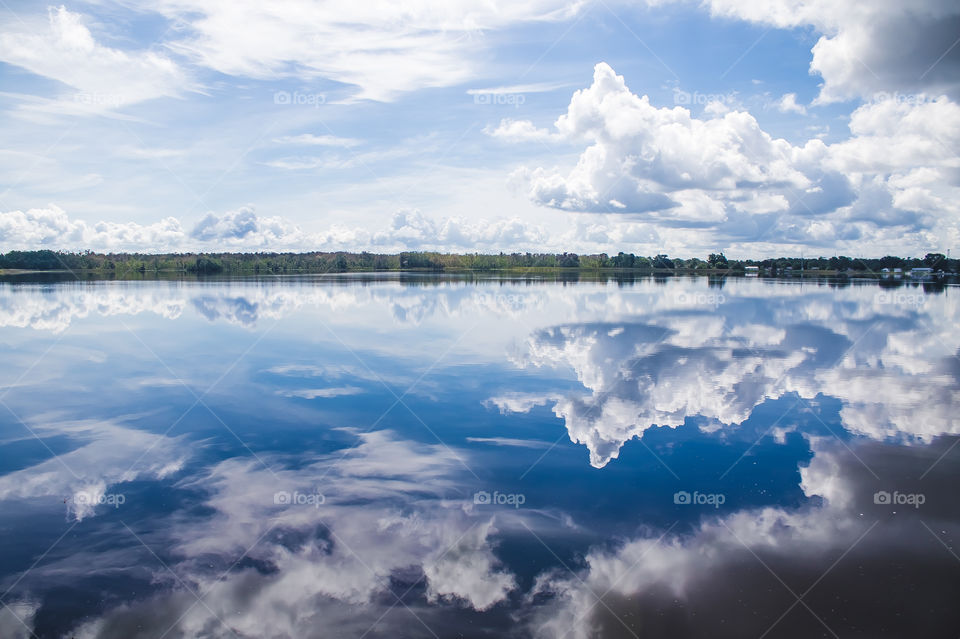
414,456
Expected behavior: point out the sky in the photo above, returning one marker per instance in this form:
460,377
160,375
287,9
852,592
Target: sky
757,128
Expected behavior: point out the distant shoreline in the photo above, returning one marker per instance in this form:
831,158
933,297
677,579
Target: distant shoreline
931,266
515,272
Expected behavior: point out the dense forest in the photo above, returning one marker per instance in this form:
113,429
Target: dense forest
319,262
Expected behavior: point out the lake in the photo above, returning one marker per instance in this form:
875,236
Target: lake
406,455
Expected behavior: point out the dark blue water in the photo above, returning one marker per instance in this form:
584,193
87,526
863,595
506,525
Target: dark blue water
364,456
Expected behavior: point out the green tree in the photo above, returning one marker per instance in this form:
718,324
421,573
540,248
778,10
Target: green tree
718,260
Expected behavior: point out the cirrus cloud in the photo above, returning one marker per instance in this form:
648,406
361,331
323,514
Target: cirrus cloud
65,50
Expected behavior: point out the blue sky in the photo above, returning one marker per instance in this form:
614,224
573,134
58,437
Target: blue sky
757,128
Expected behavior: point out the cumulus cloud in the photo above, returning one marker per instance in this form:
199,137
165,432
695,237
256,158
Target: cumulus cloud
679,585
245,229
467,571
107,454
691,353
244,226
55,311
724,173
639,154
895,135
51,228
16,619
651,374
868,48
518,131
412,228
788,104
397,513
382,522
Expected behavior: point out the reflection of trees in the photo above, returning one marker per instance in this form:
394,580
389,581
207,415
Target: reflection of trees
244,303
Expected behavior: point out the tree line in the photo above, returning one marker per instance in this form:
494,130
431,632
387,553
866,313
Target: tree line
323,262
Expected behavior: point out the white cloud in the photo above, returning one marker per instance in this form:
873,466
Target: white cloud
466,570
383,517
921,134
511,442
725,174
322,393
104,78
856,55
520,402
309,139
788,104
689,353
302,163
383,49
16,619
24,308
639,155
519,131
653,374
244,226
518,89
51,228
412,228
108,454
668,577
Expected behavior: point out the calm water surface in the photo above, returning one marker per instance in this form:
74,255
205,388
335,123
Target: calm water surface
367,457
